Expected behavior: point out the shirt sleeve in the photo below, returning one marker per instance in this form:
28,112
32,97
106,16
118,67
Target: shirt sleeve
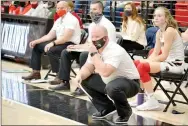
89,59
55,25
71,24
114,60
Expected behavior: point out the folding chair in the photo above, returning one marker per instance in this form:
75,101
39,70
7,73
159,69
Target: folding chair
132,53
151,38
143,53
177,79
84,36
186,58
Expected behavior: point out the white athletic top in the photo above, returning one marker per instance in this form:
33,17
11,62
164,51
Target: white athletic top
177,49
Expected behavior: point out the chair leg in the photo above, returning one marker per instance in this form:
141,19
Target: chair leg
73,72
182,93
155,88
186,85
171,99
46,77
72,69
166,93
132,56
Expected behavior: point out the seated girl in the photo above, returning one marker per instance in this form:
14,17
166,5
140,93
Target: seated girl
133,29
168,55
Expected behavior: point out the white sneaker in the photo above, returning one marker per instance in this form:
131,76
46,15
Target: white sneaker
133,103
150,104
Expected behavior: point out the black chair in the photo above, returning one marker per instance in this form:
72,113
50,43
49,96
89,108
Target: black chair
151,37
175,78
143,53
186,59
132,53
84,36
119,39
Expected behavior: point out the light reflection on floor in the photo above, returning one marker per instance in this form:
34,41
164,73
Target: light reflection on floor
59,104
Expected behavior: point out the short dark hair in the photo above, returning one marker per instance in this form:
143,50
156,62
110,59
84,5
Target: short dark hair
98,2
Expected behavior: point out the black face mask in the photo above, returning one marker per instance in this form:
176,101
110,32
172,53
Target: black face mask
22,4
128,13
99,43
95,17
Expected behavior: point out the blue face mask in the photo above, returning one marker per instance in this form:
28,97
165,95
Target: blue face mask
128,13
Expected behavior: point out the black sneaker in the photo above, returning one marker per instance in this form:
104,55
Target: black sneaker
78,92
104,114
61,86
121,120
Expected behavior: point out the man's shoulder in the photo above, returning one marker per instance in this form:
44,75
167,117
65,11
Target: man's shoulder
106,22
58,20
114,47
70,17
91,25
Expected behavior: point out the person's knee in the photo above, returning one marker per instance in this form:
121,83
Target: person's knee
37,47
83,58
50,52
111,90
144,70
64,53
136,62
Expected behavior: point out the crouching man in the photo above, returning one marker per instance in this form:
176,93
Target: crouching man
108,77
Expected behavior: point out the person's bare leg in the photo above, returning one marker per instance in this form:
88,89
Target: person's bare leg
151,103
154,68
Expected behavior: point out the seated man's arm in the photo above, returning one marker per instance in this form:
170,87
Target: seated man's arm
84,46
51,35
65,37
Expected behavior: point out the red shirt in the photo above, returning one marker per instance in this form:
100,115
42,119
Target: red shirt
26,9
56,16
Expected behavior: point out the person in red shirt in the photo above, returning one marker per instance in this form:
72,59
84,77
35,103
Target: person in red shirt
71,5
27,7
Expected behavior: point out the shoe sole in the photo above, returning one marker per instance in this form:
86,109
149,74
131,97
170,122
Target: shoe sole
124,122
121,122
103,117
78,95
105,120
59,89
31,79
54,83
